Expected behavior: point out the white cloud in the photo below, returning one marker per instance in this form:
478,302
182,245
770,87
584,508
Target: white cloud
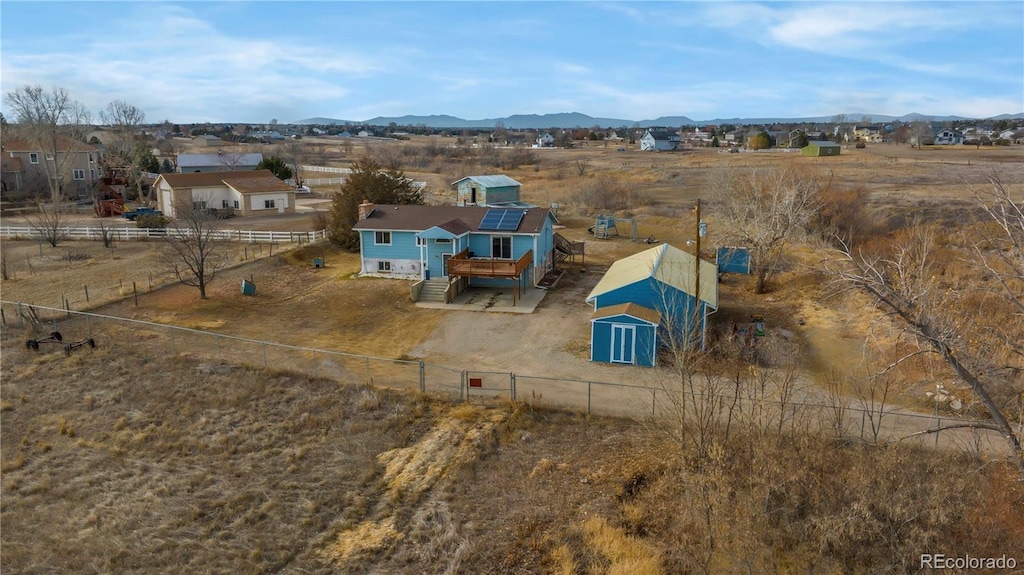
570,68
878,32
182,62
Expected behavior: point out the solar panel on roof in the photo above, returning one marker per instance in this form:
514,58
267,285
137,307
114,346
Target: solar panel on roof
502,220
492,219
510,220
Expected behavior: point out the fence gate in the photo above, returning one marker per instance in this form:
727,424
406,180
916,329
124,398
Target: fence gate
490,384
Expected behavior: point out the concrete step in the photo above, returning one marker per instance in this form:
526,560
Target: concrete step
433,290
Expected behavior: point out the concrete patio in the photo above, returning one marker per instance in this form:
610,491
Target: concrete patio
494,299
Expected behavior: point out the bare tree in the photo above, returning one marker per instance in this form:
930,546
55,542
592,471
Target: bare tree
124,119
106,234
973,323
4,263
766,208
921,133
48,222
294,152
54,123
195,249
582,165
229,159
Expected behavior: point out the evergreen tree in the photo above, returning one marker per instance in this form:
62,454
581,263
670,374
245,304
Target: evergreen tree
276,165
369,181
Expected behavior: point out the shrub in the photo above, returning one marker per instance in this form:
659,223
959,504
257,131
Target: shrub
151,221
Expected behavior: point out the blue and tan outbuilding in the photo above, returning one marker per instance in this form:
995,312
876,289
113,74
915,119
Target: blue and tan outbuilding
648,301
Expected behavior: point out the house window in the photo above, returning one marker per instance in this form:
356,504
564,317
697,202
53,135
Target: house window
421,242
443,241
33,158
91,160
501,247
49,157
269,204
224,204
92,174
196,206
382,239
384,267
236,204
78,174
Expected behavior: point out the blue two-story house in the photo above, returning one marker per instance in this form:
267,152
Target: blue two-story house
456,246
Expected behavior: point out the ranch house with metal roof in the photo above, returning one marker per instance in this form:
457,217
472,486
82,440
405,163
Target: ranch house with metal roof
647,301
448,248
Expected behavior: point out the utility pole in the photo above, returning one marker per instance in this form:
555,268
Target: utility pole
696,289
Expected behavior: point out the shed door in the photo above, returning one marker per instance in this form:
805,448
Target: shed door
623,343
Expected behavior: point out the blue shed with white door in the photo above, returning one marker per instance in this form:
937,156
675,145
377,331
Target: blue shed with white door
625,333
649,300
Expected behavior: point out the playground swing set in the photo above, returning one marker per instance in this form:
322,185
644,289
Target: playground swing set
605,227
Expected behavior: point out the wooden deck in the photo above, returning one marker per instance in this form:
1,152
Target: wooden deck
462,265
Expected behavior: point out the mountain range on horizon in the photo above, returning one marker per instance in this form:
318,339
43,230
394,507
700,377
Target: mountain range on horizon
579,120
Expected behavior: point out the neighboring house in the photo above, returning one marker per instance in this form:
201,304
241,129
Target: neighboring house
456,245
864,134
364,134
246,193
646,301
734,136
206,140
948,137
1008,134
220,162
267,135
820,148
345,134
545,140
659,140
27,168
486,190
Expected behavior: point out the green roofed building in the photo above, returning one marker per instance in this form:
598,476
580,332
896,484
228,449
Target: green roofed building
820,148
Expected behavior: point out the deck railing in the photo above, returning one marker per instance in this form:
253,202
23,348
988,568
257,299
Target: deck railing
462,265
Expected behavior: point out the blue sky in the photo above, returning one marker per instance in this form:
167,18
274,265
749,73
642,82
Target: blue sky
254,61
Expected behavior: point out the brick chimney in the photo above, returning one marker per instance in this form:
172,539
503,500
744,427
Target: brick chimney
364,209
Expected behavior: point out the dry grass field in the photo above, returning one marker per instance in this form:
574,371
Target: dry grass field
146,464
146,461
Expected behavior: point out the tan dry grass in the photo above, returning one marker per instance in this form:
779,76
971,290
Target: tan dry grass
409,472
364,539
627,555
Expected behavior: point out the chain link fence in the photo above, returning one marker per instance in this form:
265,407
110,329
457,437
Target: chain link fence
866,420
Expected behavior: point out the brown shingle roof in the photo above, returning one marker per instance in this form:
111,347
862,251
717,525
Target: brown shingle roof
455,226
63,144
245,181
631,309
419,218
